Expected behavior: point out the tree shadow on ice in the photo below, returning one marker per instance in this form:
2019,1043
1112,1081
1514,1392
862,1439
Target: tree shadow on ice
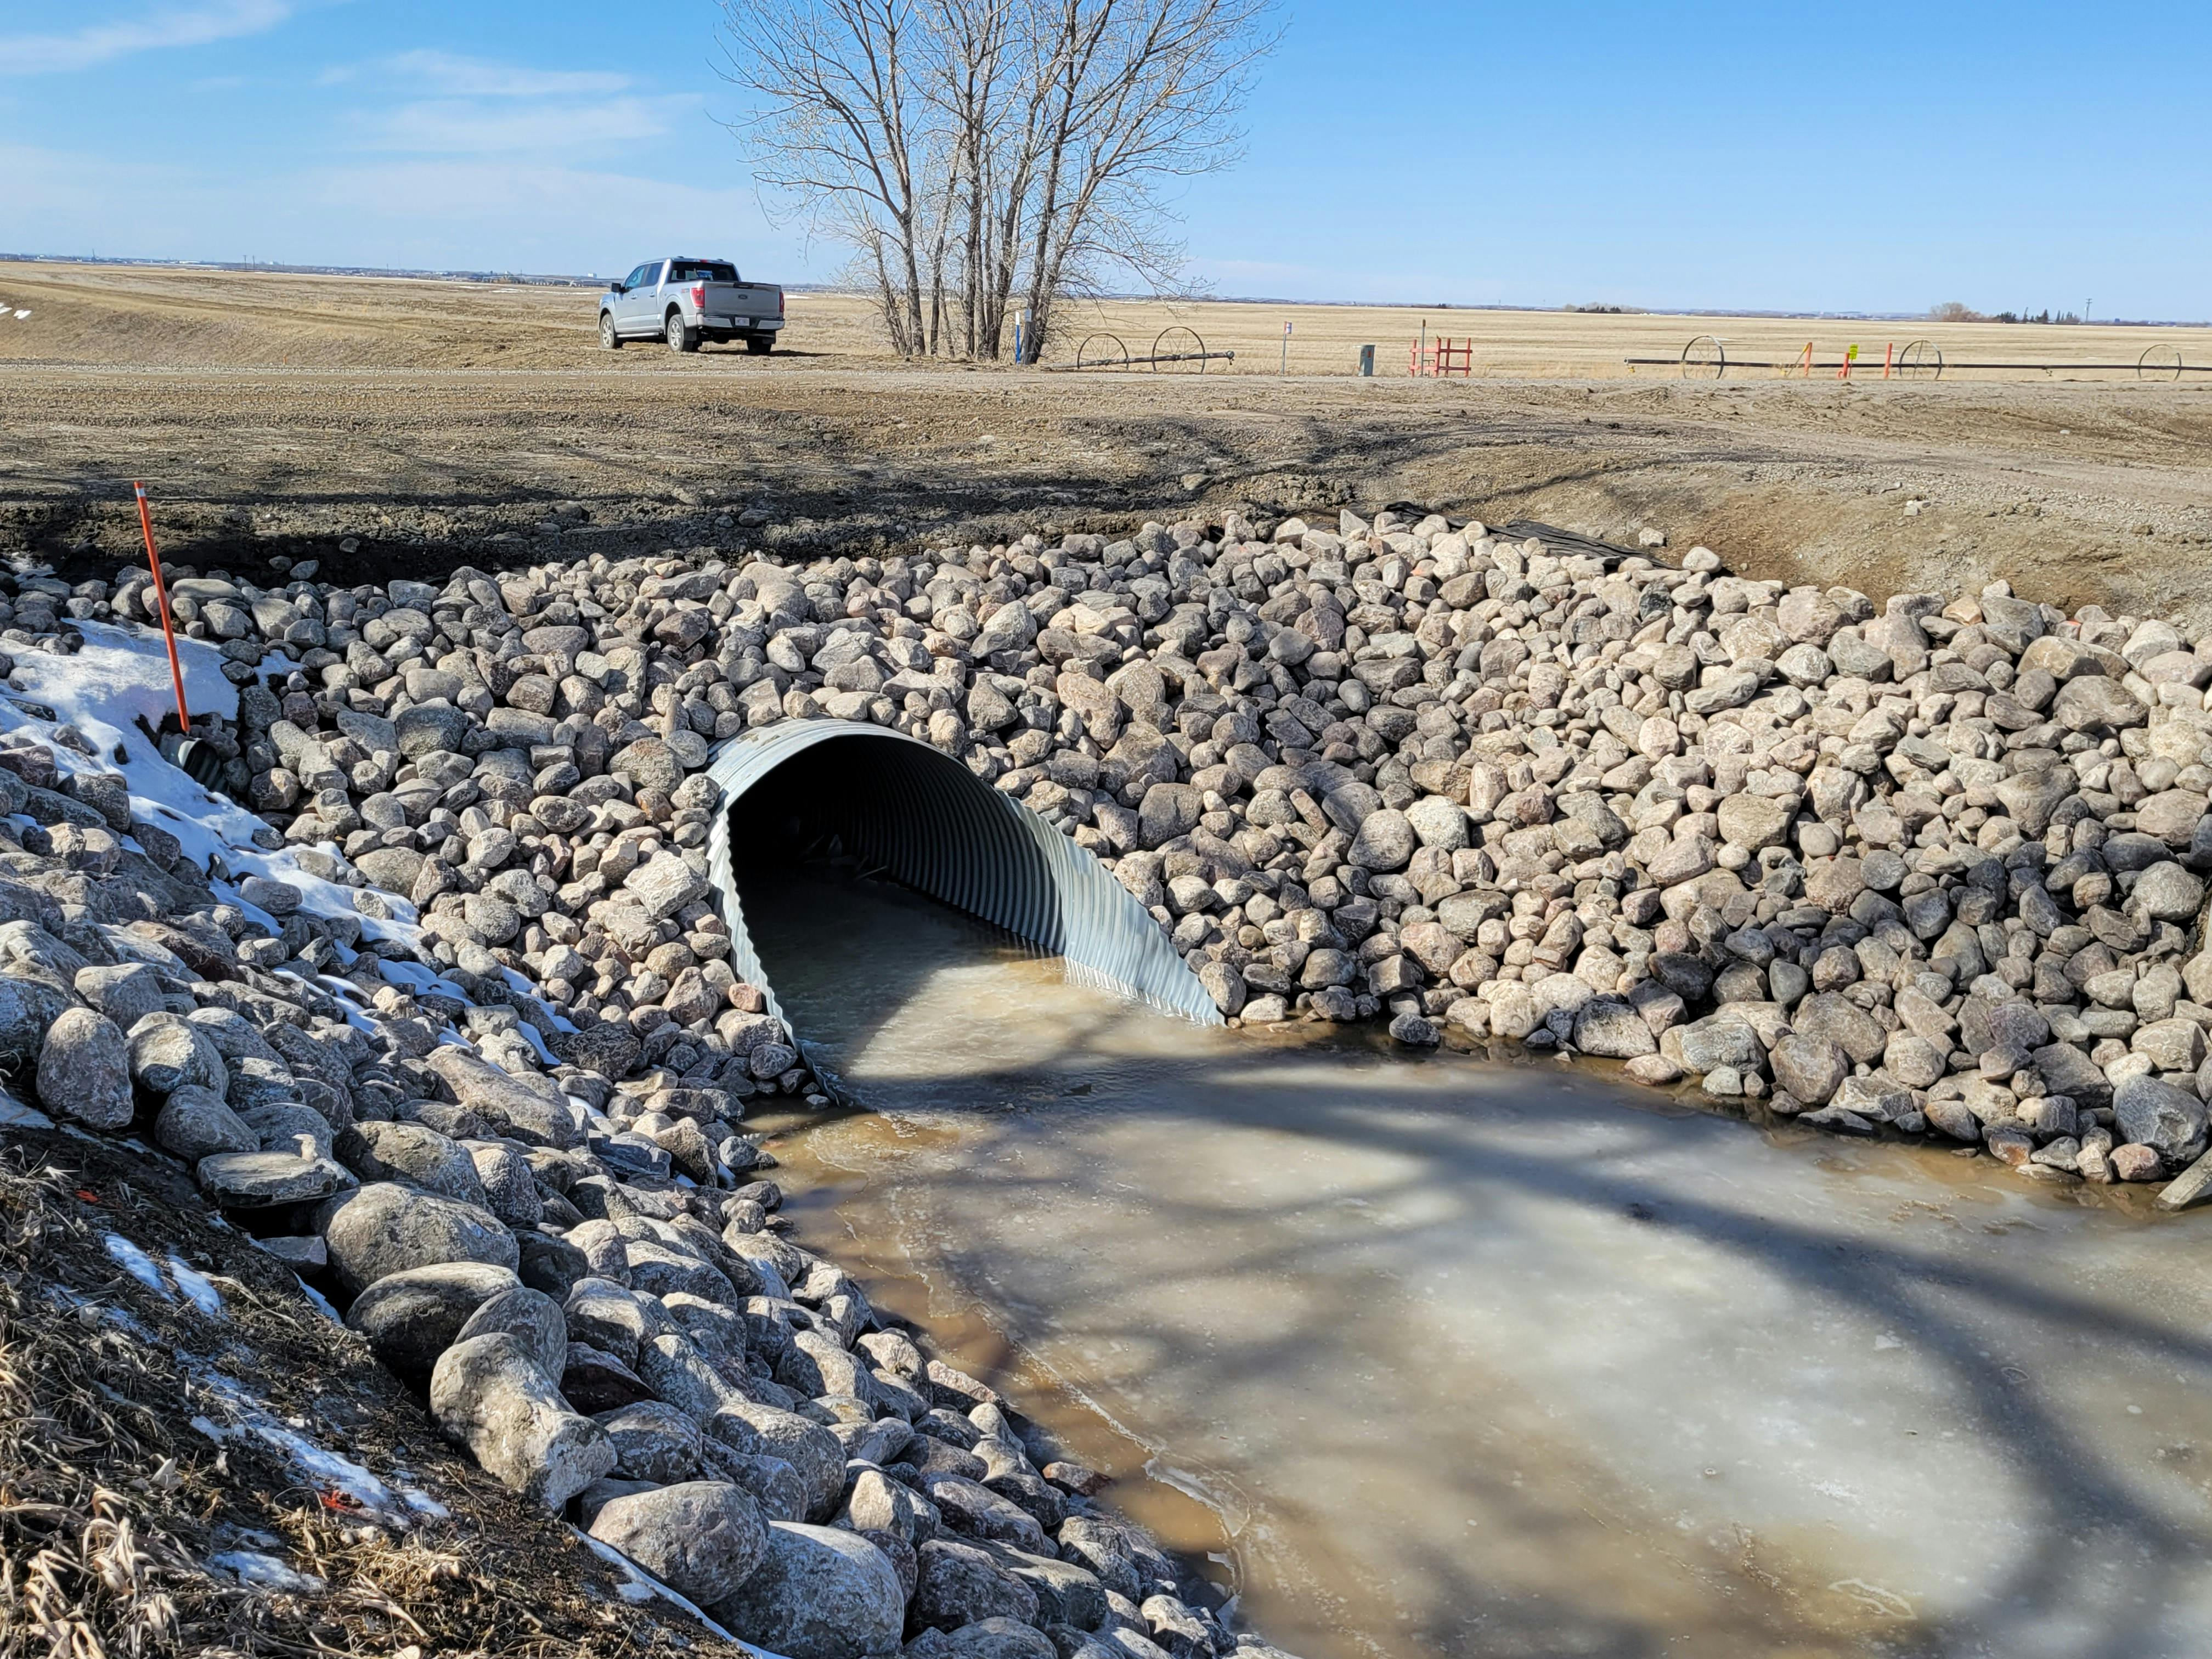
2106,1554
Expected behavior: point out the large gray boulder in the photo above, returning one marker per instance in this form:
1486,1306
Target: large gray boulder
386,1229
1717,1041
409,1318
1385,842
411,1152
1752,822
84,1071
2093,703
27,1008
774,1483
531,1318
489,1395
1810,1067
261,1181
1609,1028
504,1174
653,1442
970,1507
876,1503
2161,1114
703,1539
126,994
614,1318
196,1123
529,1110
1438,823
1065,1593
960,1582
2166,892
821,1594
811,1450
1832,1016
168,1050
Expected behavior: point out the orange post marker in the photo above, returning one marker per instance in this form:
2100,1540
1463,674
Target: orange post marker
168,627
1888,357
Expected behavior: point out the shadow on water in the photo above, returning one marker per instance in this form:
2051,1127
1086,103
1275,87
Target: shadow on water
1478,1359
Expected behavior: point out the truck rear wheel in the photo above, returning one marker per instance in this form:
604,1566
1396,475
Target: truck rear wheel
760,345
679,337
608,340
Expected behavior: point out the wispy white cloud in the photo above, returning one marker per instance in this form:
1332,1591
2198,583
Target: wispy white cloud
161,29
465,127
476,78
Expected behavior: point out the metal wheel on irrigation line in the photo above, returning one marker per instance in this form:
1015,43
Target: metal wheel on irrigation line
2160,362
1704,358
1921,359
1183,346
1111,353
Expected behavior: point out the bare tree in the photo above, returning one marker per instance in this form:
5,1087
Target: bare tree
973,151
837,131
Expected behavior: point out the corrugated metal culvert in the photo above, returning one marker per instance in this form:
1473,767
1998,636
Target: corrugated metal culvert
927,822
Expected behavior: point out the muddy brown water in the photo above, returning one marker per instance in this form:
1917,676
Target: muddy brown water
1443,1356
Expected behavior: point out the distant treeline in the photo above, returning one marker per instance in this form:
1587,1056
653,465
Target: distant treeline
1954,311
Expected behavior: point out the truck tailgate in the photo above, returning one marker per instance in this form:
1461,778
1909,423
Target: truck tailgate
741,303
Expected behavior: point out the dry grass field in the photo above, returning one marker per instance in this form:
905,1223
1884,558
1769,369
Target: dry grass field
158,316
382,425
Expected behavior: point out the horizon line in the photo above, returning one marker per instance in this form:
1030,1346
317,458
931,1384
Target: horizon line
585,279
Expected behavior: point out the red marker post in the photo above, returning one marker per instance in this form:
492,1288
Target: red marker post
161,595
194,758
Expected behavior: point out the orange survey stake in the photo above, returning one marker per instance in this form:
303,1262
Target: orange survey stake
161,596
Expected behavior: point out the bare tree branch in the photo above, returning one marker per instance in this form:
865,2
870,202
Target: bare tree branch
969,150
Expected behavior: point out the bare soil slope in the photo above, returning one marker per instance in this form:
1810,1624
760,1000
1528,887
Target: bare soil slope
431,424
160,1458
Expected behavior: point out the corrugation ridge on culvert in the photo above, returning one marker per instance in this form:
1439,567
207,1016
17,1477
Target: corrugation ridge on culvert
926,819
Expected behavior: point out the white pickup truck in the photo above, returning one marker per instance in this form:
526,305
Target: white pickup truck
685,302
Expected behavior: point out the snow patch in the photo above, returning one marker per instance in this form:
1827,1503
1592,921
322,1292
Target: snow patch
261,1572
115,689
136,1262
199,1290
326,1468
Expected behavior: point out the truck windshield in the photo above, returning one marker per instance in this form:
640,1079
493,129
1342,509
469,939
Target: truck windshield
701,270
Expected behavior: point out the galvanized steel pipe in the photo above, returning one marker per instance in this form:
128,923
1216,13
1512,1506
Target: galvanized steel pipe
928,822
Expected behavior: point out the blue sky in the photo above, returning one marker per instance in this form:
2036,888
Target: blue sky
1876,157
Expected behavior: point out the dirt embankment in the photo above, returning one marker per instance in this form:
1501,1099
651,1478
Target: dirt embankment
437,424
176,1422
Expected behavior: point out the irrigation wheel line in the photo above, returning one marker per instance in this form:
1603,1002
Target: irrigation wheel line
2159,362
1704,359
1196,355
1921,359
1118,358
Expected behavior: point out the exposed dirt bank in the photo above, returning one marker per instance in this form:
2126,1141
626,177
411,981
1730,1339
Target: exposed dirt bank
2077,493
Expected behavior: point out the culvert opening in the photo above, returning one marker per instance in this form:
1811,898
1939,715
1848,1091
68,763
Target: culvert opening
886,805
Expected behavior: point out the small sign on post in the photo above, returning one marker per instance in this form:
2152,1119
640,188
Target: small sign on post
1287,349
1367,360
